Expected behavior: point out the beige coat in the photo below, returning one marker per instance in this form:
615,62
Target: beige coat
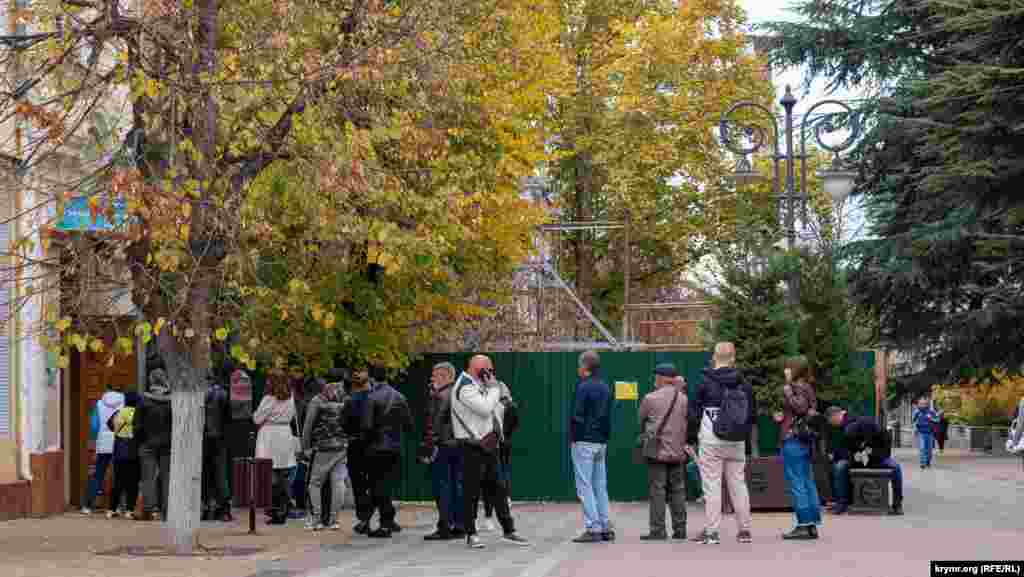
275,440
672,442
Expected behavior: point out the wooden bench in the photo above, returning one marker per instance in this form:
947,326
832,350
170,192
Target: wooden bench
869,490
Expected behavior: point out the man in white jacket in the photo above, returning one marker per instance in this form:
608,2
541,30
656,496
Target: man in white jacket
476,401
109,403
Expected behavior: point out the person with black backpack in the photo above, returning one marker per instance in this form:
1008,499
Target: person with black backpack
722,417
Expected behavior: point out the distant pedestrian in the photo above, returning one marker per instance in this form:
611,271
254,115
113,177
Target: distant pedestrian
924,418
590,430
663,415
153,423
108,404
722,416
441,451
387,417
942,431
127,471
799,403
475,399
275,441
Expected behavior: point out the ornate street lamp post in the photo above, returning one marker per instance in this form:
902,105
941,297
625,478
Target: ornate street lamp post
746,138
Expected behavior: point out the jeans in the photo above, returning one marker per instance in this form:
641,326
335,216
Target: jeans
155,466
841,481
796,464
216,494
327,467
927,446
103,461
666,481
446,472
591,467
126,484
481,467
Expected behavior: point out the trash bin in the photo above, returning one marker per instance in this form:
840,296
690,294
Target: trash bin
264,473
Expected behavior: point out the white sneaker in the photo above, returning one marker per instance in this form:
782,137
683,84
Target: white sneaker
488,525
474,542
86,511
112,514
129,515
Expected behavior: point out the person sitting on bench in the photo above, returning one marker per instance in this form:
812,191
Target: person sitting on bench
865,445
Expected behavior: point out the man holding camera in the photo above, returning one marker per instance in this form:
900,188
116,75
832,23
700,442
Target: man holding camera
477,410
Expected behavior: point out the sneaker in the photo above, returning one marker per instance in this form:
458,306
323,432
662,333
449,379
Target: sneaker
129,515
85,511
839,509
588,537
334,527
361,528
515,539
380,533
474,542
710,539
438,536
679,535
113,514
489,526
608,535
802,533
652,536
744,537
897,509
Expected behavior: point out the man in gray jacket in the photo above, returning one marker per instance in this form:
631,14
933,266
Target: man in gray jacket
475,401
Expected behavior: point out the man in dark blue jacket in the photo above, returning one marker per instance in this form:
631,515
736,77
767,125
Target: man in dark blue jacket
386,417
589,432
865,444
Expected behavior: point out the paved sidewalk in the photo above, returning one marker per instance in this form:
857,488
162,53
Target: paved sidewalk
966,507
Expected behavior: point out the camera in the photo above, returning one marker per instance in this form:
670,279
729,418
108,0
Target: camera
486,374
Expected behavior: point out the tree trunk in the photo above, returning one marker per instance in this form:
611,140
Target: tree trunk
185,495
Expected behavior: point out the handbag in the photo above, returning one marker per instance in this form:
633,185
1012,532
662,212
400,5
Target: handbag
647,446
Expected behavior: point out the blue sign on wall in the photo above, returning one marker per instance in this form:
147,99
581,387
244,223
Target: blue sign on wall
77,217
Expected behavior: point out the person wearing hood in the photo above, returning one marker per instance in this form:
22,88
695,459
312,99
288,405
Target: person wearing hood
216,495
152,426
324,445
723,460
109,403
126,459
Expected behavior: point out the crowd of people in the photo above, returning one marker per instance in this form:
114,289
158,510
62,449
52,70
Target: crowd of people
348,433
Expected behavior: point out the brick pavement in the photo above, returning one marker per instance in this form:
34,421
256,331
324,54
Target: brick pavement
967,507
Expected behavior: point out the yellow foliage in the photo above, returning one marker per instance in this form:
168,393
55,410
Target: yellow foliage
987,402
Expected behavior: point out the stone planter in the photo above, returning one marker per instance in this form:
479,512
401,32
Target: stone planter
766,483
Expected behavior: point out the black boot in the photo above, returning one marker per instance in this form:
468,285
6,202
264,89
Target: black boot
897,509
207,515
813,531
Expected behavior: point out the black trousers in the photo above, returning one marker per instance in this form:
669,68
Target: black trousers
280,494
482,468
126,484
359,475
216,494
385,469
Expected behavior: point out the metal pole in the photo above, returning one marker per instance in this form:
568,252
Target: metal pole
252,483
788,103
626,258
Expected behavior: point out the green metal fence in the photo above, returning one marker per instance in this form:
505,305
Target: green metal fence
543,385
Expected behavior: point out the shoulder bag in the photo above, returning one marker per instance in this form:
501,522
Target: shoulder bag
646,445
489,442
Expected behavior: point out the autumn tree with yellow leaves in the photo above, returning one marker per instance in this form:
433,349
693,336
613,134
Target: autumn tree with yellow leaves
320,179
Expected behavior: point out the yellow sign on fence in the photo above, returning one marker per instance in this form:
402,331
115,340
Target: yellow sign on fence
626,391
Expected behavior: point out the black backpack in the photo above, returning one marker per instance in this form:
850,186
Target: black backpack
733,422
